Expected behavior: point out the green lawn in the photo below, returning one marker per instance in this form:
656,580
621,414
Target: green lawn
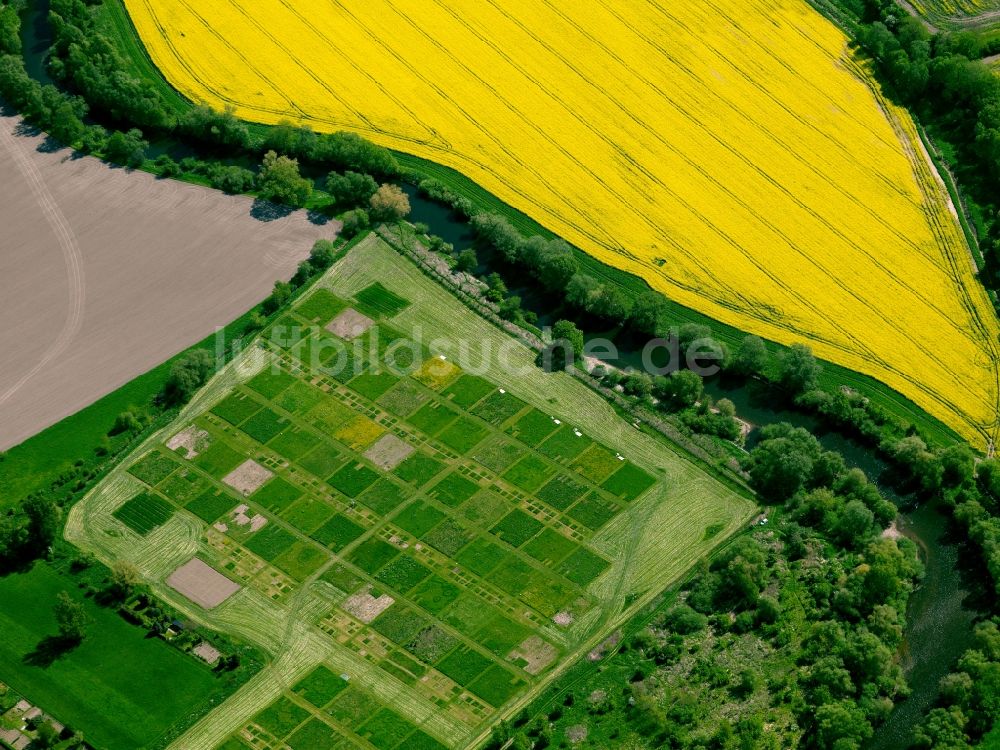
120,688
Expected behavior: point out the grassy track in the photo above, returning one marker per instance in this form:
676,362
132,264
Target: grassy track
983,15
121,689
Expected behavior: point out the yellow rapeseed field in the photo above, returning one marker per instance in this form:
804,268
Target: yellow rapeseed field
727,151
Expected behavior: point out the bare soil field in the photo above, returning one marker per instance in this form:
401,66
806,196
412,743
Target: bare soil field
202,584
389,452
106,273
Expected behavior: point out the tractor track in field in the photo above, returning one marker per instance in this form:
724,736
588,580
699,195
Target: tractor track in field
72,257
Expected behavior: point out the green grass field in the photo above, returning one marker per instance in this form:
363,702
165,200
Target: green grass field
448,540
120,688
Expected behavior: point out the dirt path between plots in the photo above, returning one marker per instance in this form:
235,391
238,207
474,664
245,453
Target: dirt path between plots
106,273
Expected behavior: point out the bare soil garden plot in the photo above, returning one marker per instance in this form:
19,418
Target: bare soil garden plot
202,584
192,439
389,452
95,259
248,477
349,324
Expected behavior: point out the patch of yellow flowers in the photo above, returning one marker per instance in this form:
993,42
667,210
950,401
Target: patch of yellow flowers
730,152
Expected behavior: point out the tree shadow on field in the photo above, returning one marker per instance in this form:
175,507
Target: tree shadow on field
265,211
49,649
25,129
318,218
49,146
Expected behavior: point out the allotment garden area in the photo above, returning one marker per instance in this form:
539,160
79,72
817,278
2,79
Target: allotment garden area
422,546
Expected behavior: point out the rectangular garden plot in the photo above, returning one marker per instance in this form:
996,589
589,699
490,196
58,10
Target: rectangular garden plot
271,382
144,512
381,301
463,435
567,443
248,477
301,560
316,734
468,389
389,452
372,384
628,482
517,527
321,686
236,407
277,495
184,486
498,407
320,307
153,468
533,427
454,489
338,532
202,584
437,373
353,479
211,504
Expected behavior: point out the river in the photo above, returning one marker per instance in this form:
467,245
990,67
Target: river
36,38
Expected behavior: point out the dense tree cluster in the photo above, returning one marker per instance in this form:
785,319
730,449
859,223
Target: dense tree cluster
71,618
969,697
28,532
388,203
211,127
279,180
10,29
351,188
187,374
88,62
